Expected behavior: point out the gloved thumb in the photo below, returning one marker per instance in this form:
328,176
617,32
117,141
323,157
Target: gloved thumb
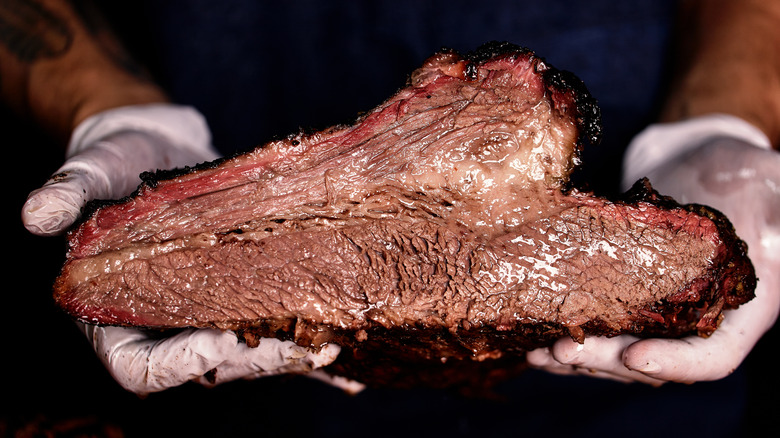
100,172
109,151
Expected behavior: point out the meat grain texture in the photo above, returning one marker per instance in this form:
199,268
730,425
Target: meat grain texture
439,232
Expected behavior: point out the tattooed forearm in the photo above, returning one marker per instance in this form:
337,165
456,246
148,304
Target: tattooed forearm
31,32
58,65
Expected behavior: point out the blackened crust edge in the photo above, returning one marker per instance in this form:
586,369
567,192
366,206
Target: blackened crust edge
589,113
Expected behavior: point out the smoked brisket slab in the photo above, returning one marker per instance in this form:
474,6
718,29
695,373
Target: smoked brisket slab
439,230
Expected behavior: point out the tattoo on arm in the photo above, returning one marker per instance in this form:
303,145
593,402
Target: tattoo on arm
31,32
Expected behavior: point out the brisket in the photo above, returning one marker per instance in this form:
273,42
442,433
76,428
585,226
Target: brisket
439,230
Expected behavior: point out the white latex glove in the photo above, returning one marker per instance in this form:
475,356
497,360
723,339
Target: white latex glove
725,163
211,357
106,154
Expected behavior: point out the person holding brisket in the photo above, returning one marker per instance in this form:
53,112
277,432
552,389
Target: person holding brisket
715,143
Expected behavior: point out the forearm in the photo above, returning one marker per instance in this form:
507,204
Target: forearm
727,61
58,68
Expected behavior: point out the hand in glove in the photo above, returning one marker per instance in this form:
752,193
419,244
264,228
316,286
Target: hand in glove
719,161
106,154
210,357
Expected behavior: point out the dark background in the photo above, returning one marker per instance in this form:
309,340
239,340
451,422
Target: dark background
257,71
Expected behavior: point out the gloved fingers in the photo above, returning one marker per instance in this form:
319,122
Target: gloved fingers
108,169
270,357
596,357
57,204
685,360
543,359
144,365
53,208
